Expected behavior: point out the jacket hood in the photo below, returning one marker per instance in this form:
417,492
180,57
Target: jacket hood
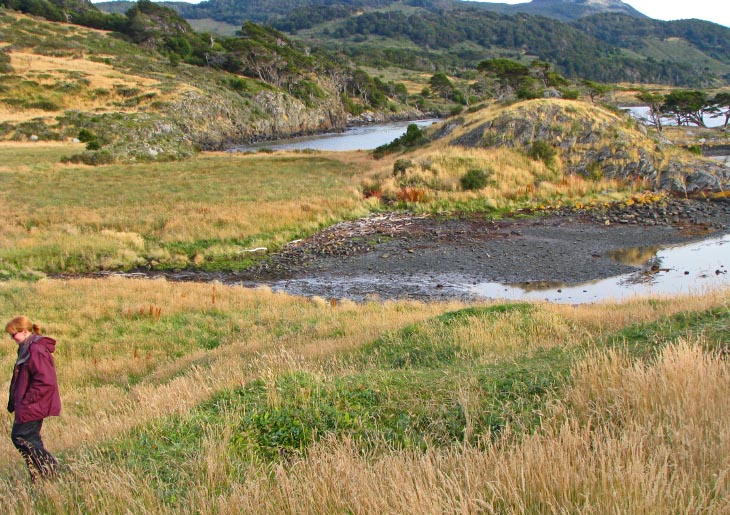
48,343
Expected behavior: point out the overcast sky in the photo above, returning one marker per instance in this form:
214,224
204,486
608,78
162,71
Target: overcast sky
717,11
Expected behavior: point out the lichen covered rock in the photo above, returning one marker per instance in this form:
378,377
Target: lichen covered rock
590,141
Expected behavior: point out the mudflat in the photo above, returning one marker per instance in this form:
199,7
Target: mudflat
401,255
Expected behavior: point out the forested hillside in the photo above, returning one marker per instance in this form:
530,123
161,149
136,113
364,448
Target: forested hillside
153,89
445,35
468,35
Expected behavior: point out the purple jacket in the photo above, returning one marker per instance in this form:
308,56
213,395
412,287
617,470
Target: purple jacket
34,388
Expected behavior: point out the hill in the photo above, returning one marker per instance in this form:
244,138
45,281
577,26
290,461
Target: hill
607,47
540,150
268,11
566,10
597,40
157,90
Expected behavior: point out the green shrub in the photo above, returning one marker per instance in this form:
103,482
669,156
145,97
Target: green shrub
93,145
474,179
44,104
542,151
570,94
411,139
695,149
85,136
401,166
238,84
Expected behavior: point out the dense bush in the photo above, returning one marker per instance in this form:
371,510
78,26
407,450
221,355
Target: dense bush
474,179
411,139
401,166
542,151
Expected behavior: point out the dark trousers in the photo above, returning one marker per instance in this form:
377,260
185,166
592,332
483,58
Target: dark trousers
27,439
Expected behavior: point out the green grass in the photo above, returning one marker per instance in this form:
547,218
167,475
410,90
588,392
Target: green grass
203,212
645,340
386,404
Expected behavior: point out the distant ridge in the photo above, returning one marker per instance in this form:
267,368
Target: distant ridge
601,40
565,10
268,10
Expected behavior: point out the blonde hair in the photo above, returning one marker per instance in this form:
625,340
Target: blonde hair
21,323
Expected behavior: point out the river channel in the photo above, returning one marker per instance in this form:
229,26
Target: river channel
365,137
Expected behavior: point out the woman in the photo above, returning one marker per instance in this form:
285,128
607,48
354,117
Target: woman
33,395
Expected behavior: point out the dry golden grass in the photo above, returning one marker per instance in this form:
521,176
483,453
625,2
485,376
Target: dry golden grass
656,443
514,179
106,335
112,329
639,438
49,71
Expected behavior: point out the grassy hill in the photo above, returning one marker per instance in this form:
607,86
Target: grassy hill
154,89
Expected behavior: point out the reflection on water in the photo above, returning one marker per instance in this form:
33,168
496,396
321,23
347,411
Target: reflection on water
680,269
635,256
355,138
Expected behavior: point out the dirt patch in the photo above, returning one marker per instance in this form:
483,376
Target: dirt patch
401,255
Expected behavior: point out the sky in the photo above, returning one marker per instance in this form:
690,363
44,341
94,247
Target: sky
717,11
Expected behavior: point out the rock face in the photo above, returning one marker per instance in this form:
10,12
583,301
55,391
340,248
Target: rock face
593,142
201,120
216,122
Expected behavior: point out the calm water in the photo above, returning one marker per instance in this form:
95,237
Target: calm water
688,268
355,138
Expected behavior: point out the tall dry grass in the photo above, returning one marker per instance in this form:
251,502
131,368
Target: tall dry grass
639,438
101,347
117,372
628,437
514,178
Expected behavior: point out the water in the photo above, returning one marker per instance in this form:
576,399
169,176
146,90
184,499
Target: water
695,267
356,138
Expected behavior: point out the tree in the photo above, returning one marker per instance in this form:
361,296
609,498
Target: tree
721,104
509,73
687,106
596,89
441,84
654,102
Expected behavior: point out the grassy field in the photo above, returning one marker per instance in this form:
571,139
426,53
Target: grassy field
205,212
207,398
208,212
199,398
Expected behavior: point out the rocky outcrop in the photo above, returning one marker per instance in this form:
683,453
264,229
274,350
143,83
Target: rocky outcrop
593,142
200,120
215,122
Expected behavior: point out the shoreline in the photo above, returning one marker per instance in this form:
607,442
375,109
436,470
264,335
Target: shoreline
401,255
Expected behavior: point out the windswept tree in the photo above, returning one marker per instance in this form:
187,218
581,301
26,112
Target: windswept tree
654,102
721,103
596,89
687,107
509,73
